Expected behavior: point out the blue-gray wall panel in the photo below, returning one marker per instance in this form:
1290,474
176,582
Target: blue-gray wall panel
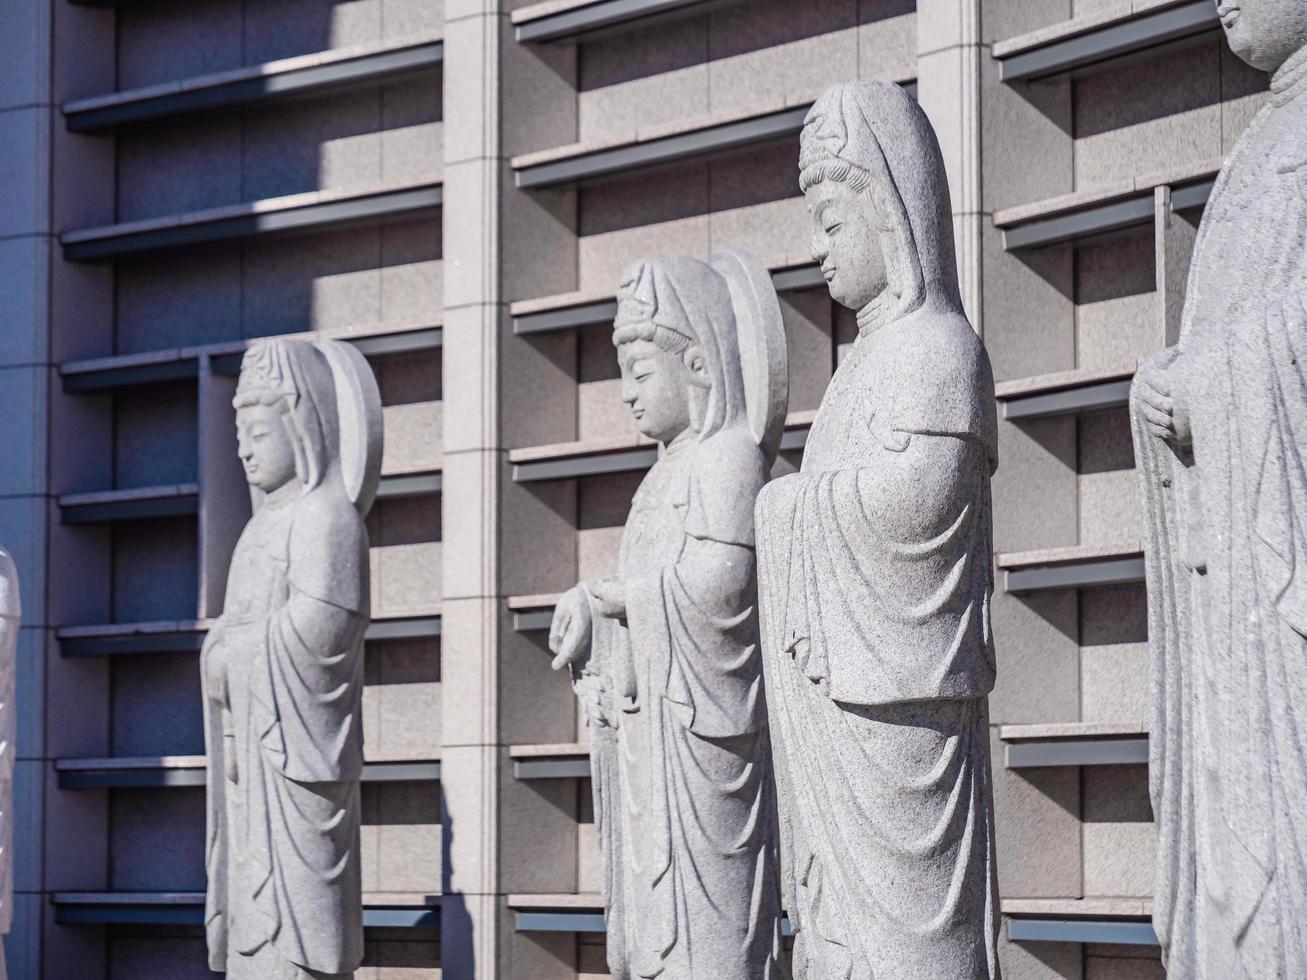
157,840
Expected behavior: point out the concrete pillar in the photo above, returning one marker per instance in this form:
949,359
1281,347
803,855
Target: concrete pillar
948,88
473,464
25,378
1175,233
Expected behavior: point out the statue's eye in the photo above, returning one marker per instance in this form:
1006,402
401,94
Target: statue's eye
833,227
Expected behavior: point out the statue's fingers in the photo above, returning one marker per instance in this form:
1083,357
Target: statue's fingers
558,628
1157,399
1156,416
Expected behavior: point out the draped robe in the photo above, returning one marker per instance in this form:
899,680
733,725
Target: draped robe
878,655
1226,526
679,745
283,683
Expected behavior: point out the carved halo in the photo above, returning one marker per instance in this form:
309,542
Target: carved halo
358,407
764,357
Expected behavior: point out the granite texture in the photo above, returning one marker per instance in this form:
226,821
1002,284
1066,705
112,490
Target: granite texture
664,655
283,671
1219,422
875,577
10,620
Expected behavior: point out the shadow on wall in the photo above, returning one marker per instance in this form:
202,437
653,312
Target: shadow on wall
727,31
726,182
353,140
456,928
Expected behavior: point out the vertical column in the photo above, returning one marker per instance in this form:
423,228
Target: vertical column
224,494
1175,234
25,242
948,88
471,756
79,43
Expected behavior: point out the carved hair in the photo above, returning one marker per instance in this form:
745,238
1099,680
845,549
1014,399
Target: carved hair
663,338
836,170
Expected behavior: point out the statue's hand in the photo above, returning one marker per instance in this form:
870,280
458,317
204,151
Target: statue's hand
1163,415
609,596
569,634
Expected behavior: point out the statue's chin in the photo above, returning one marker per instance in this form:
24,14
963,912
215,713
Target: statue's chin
851,299
265,485
1243,43
648,431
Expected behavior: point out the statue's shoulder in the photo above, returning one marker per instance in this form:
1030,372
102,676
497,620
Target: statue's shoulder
934,351
1290,154
327,517
328,549
948,336
730,469
730,456
944,381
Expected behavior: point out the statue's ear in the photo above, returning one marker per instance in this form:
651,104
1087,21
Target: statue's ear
697,362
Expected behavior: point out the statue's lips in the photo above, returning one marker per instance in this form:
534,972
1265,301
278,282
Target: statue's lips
1228,13
828,274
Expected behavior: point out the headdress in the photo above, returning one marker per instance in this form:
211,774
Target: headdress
643,310
876,138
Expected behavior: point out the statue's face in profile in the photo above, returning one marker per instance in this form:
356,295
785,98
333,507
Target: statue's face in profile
846,242
656,385
264,446
1264,33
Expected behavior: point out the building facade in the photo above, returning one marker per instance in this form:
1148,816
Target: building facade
454,186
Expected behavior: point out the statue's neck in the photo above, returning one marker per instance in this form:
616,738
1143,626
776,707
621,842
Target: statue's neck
681,440
1290,79
875,314
285,493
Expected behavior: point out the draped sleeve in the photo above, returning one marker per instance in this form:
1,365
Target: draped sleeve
310,692
875,559
692,623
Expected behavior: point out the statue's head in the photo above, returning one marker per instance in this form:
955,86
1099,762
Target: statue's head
1264,33
285,414
878,204
679,362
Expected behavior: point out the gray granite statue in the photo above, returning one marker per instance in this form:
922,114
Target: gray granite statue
10,620
664,656
283,671
875,577
1220,429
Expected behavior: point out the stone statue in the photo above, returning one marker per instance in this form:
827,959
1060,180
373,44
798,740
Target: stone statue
10,617
875,577
1220,427
664,656
283,671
